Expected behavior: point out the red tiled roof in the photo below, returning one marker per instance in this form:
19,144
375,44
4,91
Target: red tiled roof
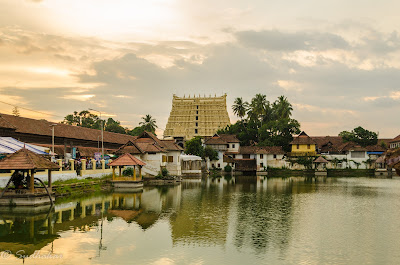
320,160
396,139
129,147
170,145
42,127
222,139
127,160
25,159
261,150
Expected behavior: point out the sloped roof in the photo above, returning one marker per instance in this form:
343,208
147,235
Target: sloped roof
42,127
170,145
261,150
396,139
303,138
222,139
5,124
320,159
130,147
127,160
25,159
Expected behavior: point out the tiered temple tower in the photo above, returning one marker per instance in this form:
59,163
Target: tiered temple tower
196,116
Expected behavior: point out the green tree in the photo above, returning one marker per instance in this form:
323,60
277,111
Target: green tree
210,153
194,147
148,123
114,126
136,131
266,124
240,107
360,136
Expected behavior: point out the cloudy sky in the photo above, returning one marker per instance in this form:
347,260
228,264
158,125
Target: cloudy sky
338,62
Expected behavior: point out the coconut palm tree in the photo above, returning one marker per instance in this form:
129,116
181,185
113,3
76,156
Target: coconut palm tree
282,108
240,107
148,123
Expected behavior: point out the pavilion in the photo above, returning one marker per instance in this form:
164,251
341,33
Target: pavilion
127,182
25,163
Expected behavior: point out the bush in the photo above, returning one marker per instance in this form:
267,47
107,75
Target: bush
128,171
227,168
164,172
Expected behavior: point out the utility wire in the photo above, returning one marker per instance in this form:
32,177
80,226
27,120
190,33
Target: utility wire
53,115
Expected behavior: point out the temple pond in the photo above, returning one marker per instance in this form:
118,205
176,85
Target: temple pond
242,220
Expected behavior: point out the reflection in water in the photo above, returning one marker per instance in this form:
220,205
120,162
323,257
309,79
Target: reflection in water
217,220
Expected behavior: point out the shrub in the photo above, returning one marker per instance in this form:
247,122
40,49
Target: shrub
227,168
164,172
128,171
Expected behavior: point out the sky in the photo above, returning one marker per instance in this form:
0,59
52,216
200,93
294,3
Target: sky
337,62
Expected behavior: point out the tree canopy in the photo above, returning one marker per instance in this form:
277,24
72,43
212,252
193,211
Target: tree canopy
264,124
89,120
195,147
360,136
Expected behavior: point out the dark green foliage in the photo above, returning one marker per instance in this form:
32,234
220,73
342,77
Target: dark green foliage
136,131
227,168
114,126
210,153
164,172
148,123
266,124
360,136
306,161
128,171
194,147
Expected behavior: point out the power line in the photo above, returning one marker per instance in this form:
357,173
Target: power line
30,109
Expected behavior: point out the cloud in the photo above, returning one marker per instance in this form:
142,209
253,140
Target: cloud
283,41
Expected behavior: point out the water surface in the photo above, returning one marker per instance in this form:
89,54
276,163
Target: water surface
243,220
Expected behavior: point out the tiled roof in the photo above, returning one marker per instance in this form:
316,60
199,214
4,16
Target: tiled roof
396,139
127,160
223,139
25,159
320,160
170,145
303,138
5,124
130,147
42,127
261,150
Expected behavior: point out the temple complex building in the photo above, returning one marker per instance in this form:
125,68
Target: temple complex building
196,116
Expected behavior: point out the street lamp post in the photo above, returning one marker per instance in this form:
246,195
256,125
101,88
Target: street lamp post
52,138
102,139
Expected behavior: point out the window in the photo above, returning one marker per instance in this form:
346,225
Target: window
233,145
234,156
197,107
197,118
164,158
197,112
261,164
298,146
219,165
261,156
170,159
195,131
227,146
197,124
274,156
246,156
308,146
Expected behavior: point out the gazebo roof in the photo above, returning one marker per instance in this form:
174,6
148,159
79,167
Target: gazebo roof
127,160
25,159
320,160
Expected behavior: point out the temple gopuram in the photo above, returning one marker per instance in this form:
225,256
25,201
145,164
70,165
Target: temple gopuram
196,116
